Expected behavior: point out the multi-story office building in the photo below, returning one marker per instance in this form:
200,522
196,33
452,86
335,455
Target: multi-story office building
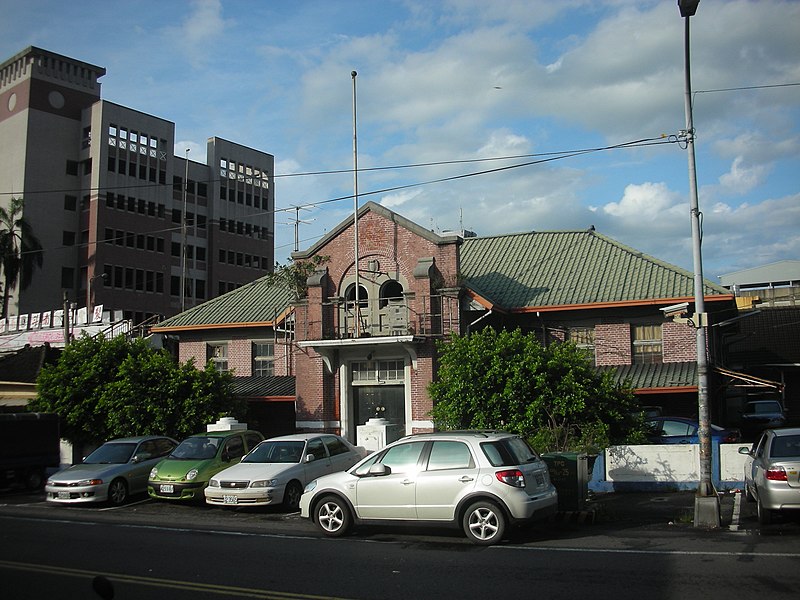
123,221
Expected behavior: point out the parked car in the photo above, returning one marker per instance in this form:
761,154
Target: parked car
759,415
277,470
186,471
772,472
115,471
680,430
479,481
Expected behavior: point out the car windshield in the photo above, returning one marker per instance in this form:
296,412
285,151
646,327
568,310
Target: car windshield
508,452
276,452
111,454
196,448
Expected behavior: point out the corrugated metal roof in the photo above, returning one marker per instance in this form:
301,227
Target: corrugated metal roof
255,302
281,386
569,268
657,375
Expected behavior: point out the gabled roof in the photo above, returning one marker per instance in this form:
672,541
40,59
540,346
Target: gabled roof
544,270
256,304
386,214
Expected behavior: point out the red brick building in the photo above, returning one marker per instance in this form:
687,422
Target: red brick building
357,355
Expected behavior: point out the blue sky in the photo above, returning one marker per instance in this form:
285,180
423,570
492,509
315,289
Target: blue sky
447,83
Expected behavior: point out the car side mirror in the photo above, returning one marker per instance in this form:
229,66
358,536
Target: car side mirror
745,450
379,470
136,460
310,457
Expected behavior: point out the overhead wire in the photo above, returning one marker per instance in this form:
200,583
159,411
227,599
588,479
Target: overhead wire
546,157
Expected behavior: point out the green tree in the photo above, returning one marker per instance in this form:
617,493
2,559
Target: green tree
109,388
551,395
20,249
294,277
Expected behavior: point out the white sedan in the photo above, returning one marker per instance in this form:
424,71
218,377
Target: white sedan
277,470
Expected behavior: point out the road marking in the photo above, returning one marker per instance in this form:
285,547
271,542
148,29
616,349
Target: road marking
225,590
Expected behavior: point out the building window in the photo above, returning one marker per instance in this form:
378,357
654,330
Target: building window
67,277
647,345
374,371
264,358
68,238
217,355
70,203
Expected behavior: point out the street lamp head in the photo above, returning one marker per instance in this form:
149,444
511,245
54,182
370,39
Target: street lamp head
688,7
353,74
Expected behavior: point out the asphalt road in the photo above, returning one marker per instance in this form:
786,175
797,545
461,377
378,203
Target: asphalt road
153,550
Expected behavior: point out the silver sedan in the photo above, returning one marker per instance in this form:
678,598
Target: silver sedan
772,472
113,472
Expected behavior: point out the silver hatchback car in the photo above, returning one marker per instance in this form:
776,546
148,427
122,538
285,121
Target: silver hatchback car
481,481
772,472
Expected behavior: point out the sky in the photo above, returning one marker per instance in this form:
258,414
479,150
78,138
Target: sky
493,116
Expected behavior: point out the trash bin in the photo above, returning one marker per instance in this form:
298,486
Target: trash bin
569,472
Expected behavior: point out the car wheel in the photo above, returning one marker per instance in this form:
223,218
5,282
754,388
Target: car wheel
34,479
333,516
117,492
291,497
484,523
764,514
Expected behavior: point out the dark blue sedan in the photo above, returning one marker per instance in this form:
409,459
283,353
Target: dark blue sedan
680,430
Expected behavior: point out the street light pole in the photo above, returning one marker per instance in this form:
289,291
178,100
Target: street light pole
706,508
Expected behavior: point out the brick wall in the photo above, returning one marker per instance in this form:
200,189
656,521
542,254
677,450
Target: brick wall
680,342
612,344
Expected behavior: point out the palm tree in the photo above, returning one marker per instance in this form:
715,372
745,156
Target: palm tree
20,249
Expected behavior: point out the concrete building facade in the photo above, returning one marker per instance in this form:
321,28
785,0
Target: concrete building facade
124,222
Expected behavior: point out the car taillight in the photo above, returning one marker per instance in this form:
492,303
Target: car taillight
776,474
732,437
512,477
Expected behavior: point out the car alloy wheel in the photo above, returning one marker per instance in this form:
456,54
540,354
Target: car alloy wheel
333,516
484,523
117,492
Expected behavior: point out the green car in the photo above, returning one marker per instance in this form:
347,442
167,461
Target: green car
185,473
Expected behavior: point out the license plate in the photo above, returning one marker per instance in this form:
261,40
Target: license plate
166,488
63,495
230,499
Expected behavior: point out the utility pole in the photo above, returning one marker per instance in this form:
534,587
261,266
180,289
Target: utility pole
706,507
357,305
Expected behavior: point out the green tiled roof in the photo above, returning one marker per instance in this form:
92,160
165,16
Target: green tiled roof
255,302
569,268
656,375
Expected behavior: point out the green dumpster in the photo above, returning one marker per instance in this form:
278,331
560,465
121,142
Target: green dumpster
569,472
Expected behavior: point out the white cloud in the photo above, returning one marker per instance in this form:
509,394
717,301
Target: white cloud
644,202
742,178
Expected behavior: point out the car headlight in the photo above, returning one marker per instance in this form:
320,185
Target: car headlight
85,482
153,473
191,475
262,483
213,483
312,485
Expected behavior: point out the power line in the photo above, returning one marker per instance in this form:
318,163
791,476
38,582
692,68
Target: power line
550,157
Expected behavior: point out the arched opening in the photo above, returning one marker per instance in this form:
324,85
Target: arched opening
391,290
